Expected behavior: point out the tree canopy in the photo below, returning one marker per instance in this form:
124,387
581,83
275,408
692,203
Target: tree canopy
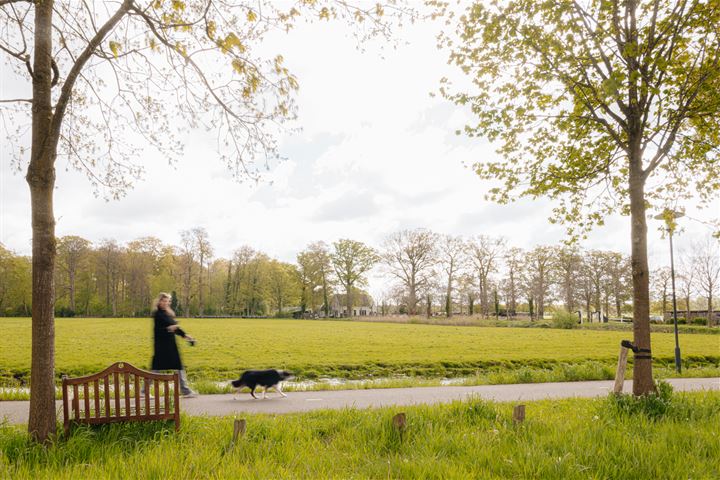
567,89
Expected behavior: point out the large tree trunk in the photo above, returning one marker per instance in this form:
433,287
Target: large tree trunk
448,298
642,366
72,289
326,300
484,297
201,307
114,296
412,300
710,307
41,179
348,300
531,308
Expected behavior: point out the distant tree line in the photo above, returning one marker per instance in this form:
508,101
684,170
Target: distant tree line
428,273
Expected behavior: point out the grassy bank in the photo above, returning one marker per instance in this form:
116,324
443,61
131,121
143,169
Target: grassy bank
562,372
349,350
605,438
477,321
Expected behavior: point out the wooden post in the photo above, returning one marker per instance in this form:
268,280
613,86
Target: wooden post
399,422
176,399
239,426
518,414
238,429
66,416
620,374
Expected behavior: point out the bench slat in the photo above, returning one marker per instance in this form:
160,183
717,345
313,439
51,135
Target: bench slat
127,394
75,404
107,396
137,396
116,386
147,396
86,392
167,397
65,403
96,387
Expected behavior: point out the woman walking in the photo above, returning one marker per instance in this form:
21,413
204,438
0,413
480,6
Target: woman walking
167,355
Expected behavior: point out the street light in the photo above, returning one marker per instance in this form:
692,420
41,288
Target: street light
669,217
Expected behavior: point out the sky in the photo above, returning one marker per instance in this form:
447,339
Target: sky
372,152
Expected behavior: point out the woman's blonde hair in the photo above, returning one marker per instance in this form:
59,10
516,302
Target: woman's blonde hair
156,302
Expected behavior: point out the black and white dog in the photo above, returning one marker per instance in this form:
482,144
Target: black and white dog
264,378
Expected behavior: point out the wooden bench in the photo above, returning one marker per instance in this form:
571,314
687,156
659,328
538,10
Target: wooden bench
114,395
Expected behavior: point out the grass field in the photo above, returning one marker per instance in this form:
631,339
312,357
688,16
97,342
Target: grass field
675,437
341,349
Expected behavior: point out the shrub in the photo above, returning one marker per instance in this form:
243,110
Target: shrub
564,319
64,312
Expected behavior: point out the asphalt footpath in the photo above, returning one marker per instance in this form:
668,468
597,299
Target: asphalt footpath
16,412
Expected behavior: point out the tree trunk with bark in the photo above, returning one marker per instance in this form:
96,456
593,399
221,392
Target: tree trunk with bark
412,299
710,308
484,297
642,366
448,298
348,299
71,280
201,306
326,300
41,179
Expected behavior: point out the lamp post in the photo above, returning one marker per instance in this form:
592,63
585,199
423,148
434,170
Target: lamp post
669,217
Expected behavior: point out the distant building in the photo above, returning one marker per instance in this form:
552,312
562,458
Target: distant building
363,305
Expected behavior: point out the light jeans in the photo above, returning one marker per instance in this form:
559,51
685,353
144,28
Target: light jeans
184,387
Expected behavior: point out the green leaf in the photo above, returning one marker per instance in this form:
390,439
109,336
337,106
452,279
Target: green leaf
115,48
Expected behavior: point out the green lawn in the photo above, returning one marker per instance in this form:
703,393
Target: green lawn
335,348
566,439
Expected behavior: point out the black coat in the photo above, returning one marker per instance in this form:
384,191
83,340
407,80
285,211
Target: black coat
167,356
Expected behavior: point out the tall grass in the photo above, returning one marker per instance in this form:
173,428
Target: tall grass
565,439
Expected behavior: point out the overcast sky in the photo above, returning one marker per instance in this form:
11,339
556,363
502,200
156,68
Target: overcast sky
375,154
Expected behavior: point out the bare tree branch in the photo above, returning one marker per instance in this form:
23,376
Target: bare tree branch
77,67
8,2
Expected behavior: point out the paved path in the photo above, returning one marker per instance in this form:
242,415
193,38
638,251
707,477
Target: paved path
220,405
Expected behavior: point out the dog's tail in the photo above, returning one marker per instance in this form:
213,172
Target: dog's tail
237,383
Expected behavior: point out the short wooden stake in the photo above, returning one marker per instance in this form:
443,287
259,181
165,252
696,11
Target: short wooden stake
519,414
238,429
620,373
400,423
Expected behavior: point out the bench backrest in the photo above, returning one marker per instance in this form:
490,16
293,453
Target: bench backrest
116,395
